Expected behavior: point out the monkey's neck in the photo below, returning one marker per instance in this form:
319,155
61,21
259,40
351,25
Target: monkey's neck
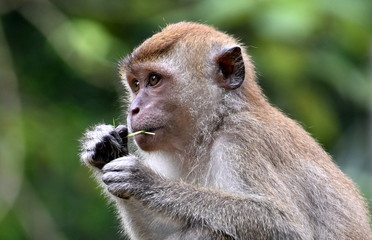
184,165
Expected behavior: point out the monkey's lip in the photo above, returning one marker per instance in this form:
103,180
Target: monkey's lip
152,130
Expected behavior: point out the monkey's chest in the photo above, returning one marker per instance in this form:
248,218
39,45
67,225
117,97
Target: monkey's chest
143,223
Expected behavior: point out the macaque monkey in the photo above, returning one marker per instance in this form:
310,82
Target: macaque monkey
223,163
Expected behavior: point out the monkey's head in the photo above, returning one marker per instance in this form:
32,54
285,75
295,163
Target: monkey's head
179,81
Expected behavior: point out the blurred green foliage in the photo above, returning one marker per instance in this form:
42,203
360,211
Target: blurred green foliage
58,76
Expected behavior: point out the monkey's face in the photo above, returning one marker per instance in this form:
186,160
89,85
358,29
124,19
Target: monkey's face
175,95
155,107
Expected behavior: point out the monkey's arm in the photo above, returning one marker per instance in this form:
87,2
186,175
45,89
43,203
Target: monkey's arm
239,216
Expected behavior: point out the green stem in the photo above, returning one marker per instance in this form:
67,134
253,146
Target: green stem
139,132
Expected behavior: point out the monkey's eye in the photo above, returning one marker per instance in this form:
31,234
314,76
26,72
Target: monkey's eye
135,85
154,79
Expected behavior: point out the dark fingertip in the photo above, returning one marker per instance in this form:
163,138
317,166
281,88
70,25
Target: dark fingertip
100,145
105,139
97,164
125,197
122,130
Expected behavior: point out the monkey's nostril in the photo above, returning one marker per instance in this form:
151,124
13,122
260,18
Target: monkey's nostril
135,111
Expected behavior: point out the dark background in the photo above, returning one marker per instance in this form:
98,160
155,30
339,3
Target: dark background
58,76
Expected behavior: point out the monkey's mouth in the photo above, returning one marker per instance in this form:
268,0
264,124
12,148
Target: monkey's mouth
149,129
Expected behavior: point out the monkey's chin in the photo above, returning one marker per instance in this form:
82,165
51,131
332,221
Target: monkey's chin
145,143
149,142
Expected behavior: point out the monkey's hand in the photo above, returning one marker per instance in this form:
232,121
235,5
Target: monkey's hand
127,176
102,144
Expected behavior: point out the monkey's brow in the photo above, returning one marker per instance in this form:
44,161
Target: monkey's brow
147,54
128,63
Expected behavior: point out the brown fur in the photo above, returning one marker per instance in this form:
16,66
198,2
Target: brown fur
161,43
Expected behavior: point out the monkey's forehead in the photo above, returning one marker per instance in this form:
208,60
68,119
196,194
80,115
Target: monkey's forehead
160,44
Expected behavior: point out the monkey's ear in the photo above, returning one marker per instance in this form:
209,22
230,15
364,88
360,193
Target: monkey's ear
232,70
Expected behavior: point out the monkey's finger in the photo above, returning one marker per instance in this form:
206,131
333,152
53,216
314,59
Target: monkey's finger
120,164
122,130
113,139
119,190
115,177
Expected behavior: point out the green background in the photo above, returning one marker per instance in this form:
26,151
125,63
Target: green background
58,76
